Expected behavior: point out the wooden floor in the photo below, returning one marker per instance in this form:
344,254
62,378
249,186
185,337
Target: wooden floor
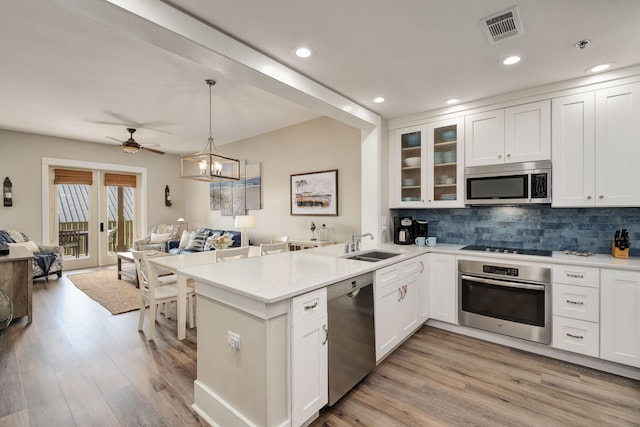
77,364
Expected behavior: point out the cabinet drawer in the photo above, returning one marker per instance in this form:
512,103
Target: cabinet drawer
577,336
576,302
308,306
392,273
576,275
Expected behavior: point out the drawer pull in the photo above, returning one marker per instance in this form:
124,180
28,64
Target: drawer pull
311,306
575,336
326,334
575,302
575,276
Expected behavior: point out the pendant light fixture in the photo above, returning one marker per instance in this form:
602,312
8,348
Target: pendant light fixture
208,164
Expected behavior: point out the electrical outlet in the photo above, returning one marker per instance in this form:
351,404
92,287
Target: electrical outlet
233,339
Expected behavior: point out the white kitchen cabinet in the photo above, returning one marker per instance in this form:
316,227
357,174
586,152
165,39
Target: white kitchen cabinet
396,293
407,167
576,309
620,316
445,163
443,287
595,147
520,133
426,165
309,355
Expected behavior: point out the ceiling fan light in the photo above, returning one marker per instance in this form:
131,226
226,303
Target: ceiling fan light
129,149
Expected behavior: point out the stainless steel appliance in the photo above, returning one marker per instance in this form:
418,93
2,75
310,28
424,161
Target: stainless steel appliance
352,350
508,184
404,231
504,250
510,299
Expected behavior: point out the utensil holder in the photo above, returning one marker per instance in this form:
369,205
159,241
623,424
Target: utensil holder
617,252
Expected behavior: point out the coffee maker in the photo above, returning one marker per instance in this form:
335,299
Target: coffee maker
421,227
403,230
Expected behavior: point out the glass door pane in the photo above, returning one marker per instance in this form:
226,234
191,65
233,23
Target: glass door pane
411,167
445,166
73,216
120,219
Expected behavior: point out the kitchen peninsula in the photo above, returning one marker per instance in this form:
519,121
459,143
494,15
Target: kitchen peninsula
251,313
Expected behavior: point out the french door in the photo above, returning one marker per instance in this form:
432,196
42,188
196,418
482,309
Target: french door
93,213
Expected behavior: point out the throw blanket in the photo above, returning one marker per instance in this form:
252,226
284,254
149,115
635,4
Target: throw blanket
5,238
44,260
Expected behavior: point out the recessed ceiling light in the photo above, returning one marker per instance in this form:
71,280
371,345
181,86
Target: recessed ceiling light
378,100
600,67
302,52
453,101
511,60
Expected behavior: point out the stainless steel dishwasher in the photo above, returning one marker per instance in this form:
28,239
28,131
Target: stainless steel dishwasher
352,351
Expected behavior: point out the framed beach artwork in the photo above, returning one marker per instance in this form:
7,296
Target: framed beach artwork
315,193
236,197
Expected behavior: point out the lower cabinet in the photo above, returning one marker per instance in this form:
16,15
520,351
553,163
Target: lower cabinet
620,316
443,287
309,355
397,289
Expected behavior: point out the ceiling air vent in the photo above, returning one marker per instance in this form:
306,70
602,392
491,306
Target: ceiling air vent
502,25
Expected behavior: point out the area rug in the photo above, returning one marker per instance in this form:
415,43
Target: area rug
103,286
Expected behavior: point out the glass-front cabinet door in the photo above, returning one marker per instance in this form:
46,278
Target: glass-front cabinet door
408,167
445,163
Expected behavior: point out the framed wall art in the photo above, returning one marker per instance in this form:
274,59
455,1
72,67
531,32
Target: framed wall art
315,193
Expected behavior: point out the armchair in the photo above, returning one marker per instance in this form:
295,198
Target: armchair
158,239
47,259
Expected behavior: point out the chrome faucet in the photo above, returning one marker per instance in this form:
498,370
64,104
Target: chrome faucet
356,239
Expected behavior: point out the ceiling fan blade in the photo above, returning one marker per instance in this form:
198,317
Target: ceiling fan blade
150,144
115,139
152,150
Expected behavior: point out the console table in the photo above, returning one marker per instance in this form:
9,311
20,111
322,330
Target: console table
16,279
298,244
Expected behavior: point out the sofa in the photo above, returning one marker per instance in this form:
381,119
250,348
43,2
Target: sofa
47,260
201,240
158,239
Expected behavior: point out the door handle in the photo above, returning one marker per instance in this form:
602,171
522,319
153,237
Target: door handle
102,227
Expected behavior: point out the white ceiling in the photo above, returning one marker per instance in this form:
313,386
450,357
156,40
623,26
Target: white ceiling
66,75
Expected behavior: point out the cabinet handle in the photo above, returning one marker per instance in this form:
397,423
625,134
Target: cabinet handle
499,156
575,302
312,306
508,155
326,334
601,197
422,266
399,294
588,197
575,336
575,276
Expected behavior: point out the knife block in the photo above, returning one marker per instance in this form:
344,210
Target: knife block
617,252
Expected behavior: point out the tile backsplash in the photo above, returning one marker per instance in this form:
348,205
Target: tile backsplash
532,227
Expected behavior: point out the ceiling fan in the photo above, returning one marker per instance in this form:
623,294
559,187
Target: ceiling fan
131,146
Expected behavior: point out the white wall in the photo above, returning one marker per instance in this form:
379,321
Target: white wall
21,159
316,145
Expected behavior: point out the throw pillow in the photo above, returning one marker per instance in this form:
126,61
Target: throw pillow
209,243
197,240
28,245
159,238
184,240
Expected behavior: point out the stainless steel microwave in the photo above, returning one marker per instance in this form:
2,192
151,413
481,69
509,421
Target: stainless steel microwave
508,184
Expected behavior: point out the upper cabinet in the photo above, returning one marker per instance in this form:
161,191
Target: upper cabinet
516,134
426,165
596,143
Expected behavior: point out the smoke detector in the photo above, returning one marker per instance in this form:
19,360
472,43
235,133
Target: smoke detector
502,25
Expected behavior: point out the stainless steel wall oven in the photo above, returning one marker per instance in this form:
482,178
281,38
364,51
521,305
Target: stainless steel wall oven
509,299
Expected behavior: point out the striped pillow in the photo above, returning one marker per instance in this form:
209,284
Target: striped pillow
197,240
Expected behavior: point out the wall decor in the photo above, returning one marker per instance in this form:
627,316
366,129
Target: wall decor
235,197
7,193
167,196
315,193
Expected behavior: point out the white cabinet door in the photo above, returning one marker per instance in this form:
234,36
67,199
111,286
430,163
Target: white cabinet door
443,288
573,152
445,164
309,355
620,316
387,331
407,167
527,132
423,289
407,309
618,146
484,133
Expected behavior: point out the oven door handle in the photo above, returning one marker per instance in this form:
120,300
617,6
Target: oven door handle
501,283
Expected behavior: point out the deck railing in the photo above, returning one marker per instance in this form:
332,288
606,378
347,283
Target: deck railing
112,229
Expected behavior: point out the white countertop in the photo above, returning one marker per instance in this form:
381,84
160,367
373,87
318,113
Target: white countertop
274,278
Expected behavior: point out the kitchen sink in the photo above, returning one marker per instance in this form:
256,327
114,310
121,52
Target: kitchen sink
371,256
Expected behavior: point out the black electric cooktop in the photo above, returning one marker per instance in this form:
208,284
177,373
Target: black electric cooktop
501,250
